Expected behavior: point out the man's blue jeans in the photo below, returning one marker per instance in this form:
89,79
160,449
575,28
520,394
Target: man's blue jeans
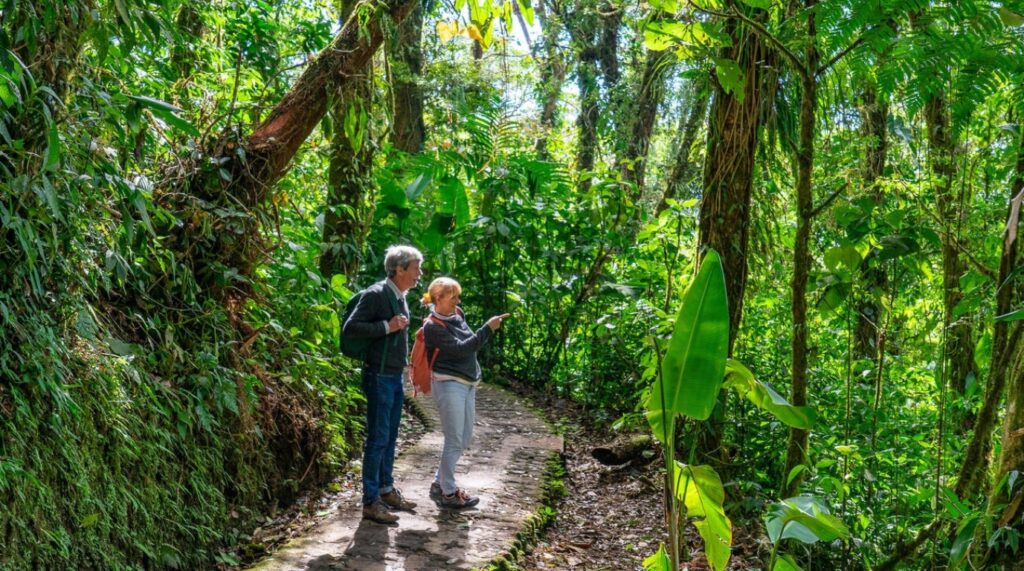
384,398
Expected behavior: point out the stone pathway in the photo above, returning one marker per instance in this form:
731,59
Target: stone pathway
504,466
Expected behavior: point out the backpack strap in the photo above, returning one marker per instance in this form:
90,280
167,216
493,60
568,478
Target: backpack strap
390,295
440,322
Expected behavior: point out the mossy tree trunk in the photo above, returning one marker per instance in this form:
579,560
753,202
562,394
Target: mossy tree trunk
641,119
683,167
874,112
408,130
243,170
728,183
796,451
729,166
552,77
959,345
350,187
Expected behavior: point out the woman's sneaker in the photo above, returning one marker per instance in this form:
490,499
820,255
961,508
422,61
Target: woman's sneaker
435,492
459,500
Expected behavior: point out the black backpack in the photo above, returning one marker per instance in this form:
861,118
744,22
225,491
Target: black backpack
356,347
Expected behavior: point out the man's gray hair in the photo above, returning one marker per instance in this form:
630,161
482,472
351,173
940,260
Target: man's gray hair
400,257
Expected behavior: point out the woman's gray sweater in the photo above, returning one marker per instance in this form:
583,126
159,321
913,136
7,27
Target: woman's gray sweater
458,345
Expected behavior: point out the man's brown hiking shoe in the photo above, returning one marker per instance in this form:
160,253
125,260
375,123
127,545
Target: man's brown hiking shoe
396,501
379,513
460,499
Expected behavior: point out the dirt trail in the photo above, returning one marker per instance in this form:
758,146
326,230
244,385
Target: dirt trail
504,467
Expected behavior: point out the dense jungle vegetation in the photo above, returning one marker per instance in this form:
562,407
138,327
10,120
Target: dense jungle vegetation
190,191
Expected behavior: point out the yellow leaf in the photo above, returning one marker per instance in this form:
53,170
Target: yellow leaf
447,30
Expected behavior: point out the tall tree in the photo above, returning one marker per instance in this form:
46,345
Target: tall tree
644,110
684,168
959,347
874,112
949,199
807,69
552,76
736,115
582,23
796,451
350,175
408,131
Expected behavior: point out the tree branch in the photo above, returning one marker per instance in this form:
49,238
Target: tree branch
797,63
829,200
823,68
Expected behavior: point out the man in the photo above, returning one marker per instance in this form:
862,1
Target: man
382,315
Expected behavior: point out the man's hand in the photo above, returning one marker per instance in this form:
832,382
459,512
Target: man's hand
495,322
398,323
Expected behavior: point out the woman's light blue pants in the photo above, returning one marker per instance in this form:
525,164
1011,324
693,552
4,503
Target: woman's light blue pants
456,405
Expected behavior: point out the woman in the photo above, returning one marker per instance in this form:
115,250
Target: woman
452,346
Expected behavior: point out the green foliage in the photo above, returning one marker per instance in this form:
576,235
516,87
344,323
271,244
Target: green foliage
120,369
134,432
764,397
805,519
700,490
694,362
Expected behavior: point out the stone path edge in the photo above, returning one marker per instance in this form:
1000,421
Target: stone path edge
536,524
554,490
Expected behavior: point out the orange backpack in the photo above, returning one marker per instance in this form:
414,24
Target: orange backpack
421,368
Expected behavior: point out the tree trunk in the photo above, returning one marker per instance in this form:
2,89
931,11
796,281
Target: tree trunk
349,177
350,185
586,122
608,46
624,450
874,116
796,452
408,132
684,169
727,183
552,77
350,173
959,338
250,167
644,113
1012,456
729,167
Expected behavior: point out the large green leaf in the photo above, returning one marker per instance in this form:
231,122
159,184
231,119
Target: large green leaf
700,489
731,77
1012,316
52,157
764,397
806,519
786,563
659,561
694,364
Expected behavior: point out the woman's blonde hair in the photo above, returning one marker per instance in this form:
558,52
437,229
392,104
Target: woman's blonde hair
441,287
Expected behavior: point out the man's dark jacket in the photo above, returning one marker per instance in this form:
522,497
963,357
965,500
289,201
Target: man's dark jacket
375,307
